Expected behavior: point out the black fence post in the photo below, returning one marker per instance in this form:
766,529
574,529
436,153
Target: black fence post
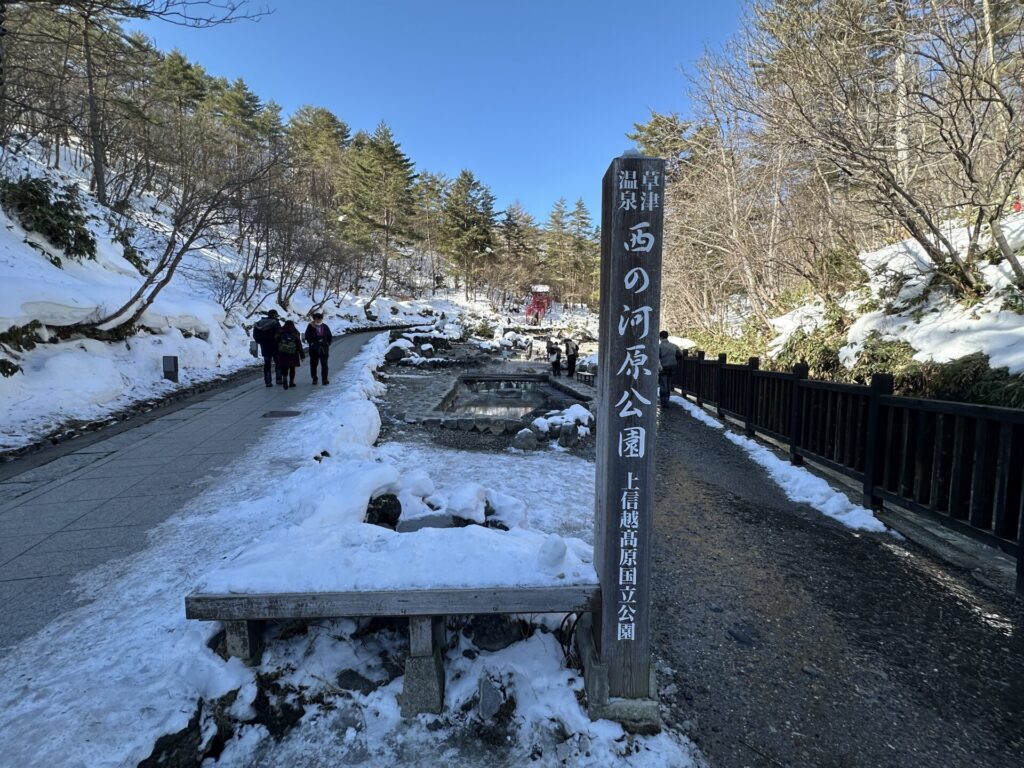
682,372
881,384
795,415
720,385
748,412
698,375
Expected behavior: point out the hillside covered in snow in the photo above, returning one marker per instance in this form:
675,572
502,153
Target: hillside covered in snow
57,375
905,319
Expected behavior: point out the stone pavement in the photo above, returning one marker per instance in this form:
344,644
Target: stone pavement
98,503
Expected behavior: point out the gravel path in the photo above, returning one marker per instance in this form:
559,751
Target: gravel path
796,642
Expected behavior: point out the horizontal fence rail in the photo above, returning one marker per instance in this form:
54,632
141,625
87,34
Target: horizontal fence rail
960,464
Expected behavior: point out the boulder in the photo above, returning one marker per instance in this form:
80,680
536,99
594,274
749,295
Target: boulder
568,435
493,632
385,510
394,354
525,440
491,698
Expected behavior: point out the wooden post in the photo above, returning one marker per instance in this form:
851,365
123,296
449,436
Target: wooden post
631,234
720,385
881,384
795,415
682,372
748,413
698,375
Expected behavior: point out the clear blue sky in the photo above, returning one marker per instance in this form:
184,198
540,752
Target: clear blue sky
533,96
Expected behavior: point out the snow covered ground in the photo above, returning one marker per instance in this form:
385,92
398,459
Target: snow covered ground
87,380
127,667
933,323
799,484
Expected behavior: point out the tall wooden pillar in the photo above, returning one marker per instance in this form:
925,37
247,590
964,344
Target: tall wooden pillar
631,244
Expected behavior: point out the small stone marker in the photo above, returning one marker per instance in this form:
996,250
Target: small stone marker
171,368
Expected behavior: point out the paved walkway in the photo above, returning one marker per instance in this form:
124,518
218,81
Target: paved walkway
798,642
98,503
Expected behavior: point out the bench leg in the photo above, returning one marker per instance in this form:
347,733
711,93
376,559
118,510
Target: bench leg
423,690
244,640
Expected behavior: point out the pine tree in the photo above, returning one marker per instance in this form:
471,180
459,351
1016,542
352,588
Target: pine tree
518,240
378,199
468,228
584,257
430,192
555,264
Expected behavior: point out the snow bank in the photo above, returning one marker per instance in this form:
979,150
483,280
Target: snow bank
127,667
359,556
798,483
938,327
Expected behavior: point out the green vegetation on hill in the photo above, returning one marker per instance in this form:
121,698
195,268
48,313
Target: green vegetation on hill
53,213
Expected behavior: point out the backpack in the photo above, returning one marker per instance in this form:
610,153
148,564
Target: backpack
286,345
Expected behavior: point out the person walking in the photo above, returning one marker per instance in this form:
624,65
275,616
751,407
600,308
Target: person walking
668,358
289,353
555,357
572,351
318,339
265,333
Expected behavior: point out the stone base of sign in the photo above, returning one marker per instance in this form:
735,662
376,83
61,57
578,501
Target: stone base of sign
423,689
641,716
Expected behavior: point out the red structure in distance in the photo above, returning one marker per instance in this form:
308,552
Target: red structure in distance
540,302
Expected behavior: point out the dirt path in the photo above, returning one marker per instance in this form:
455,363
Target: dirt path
797,642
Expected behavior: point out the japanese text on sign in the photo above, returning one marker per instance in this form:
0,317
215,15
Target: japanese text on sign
643,193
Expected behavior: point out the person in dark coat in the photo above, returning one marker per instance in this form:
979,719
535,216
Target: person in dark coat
572,351
289,353
555,357
318,339
265,333
668,358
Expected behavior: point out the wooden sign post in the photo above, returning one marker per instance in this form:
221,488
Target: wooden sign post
627,385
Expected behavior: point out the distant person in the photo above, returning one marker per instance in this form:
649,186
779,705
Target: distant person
572,351
529,347
555,358
265,333
318,339
289,353
668,358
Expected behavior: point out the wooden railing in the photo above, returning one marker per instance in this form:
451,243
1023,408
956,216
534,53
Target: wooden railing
960,464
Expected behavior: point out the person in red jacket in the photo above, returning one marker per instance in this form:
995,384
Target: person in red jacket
289,353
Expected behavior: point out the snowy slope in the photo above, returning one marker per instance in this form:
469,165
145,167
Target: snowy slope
937,326
87,380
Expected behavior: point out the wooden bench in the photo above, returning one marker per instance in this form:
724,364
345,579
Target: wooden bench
585,378
243,614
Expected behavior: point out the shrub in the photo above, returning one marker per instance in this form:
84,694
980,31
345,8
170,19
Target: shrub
879,355
968,379
55,214
124,237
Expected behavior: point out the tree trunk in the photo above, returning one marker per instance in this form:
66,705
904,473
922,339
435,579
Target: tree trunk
1004,248
99,169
